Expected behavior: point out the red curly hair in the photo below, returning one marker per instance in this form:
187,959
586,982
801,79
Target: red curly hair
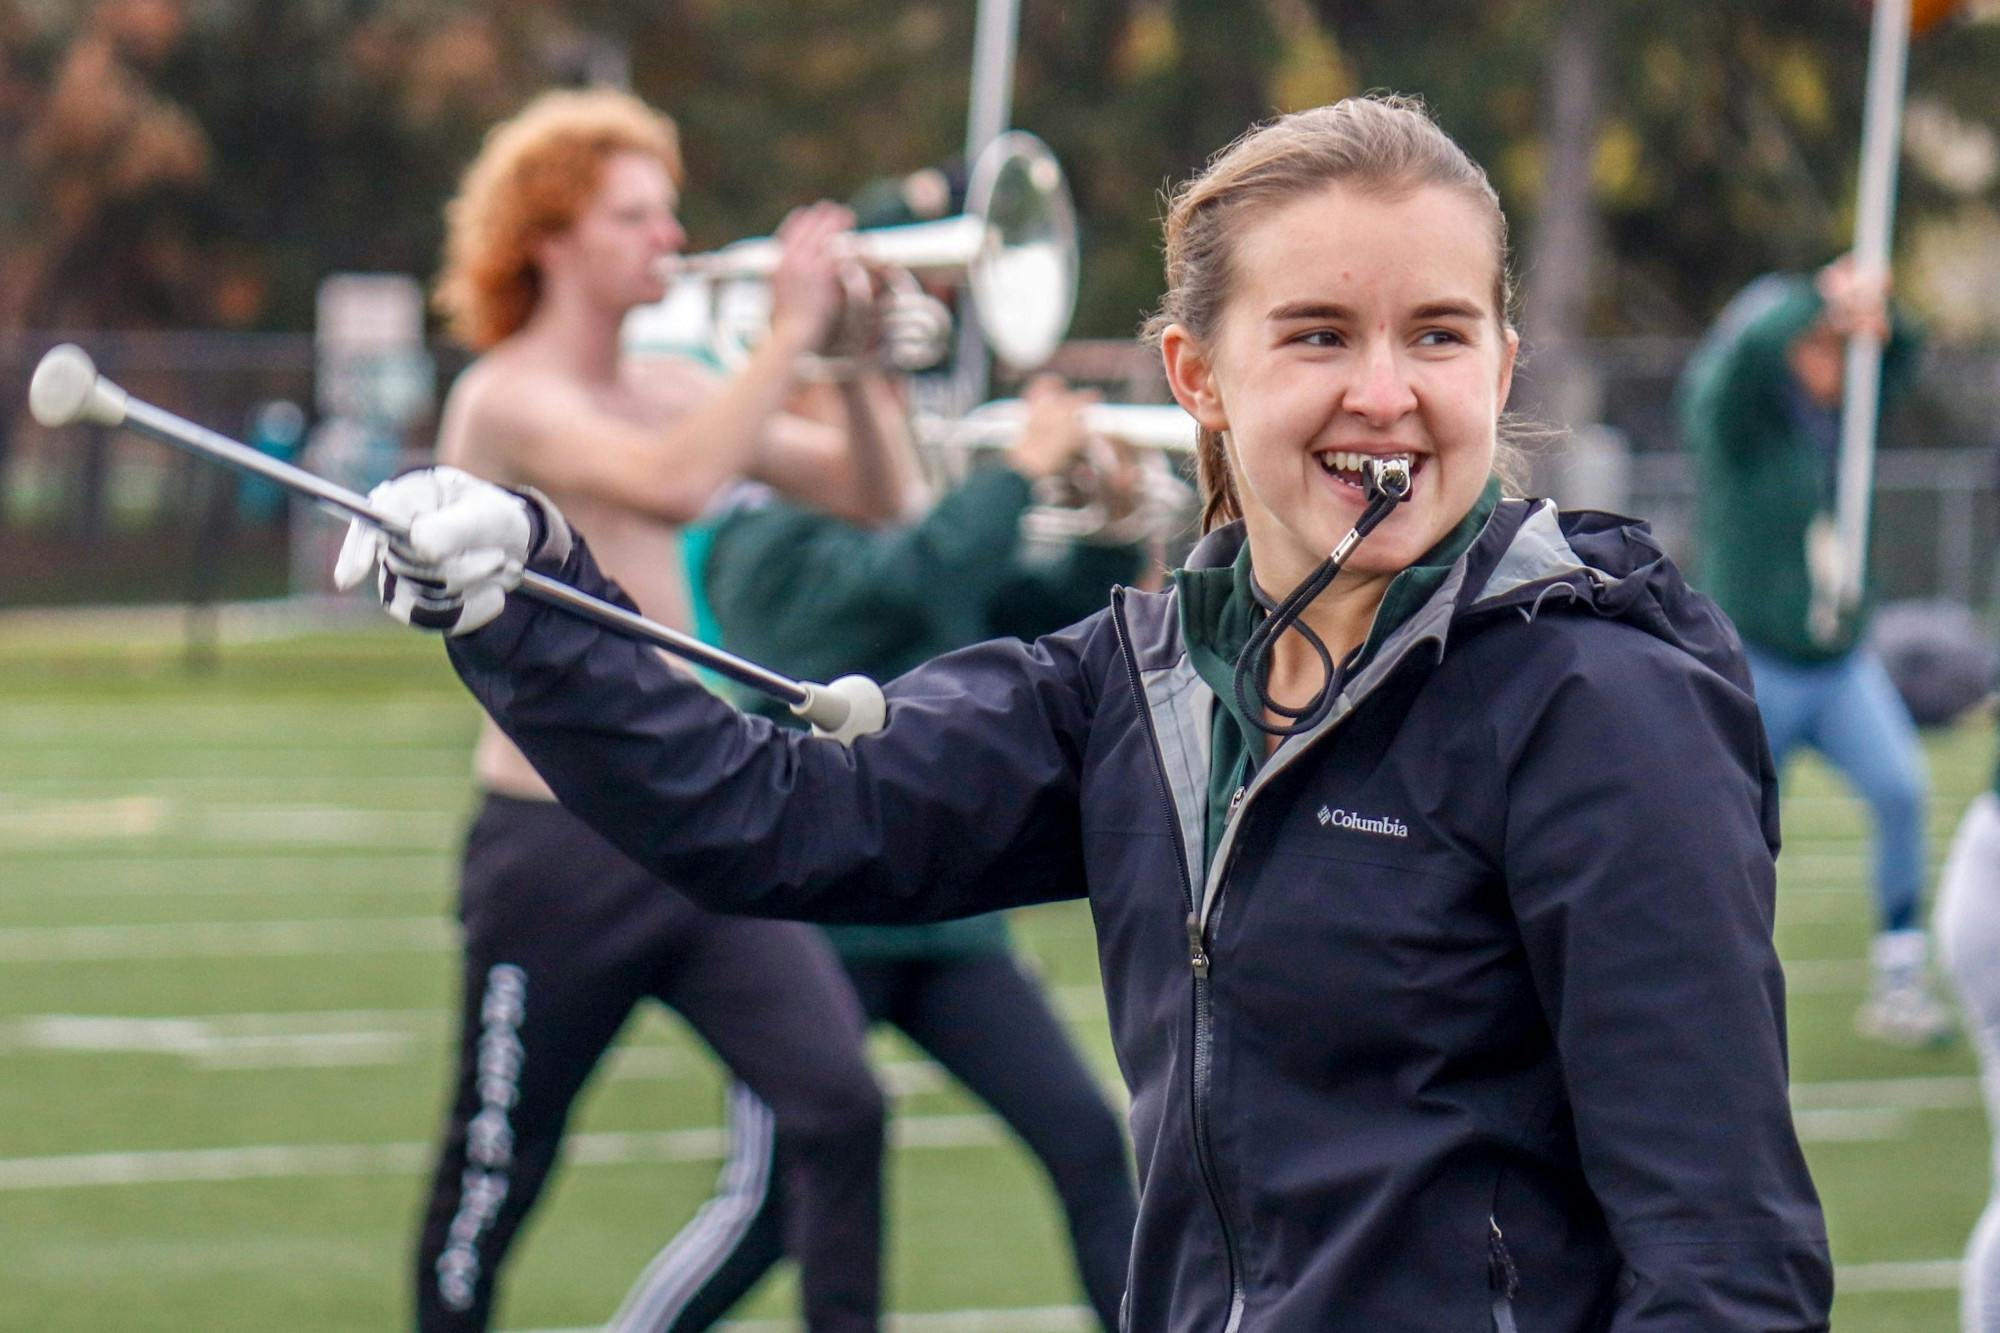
532,177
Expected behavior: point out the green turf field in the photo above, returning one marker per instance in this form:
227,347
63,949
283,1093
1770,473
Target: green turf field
226,959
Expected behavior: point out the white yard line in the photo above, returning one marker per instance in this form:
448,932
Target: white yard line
241,775
291,1161
1943,1092
332,825
40,825
1824,909
354,1037
27,823
420,875
149,873
225,939
179,1166
234,1042
1031,1319
353,1257
300,723
1822,976
1906,1275
1874,1110
1085,1002
1801,871
1869,1125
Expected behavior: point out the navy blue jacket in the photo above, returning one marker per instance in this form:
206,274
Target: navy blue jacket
1476,1016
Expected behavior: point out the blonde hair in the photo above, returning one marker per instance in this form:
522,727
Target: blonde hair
1382,143
534,174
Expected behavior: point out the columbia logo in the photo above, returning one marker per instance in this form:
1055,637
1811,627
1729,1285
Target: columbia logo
1386,827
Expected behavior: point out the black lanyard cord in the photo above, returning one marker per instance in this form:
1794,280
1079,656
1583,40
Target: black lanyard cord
1388,482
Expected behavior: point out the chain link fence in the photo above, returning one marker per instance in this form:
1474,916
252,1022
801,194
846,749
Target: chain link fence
96,516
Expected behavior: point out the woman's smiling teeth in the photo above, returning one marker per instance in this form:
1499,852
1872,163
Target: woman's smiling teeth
1346,464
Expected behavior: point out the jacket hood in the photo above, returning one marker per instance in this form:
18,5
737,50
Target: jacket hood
1533,559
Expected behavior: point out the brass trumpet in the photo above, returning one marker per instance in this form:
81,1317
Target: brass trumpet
1080,506
1014,247
1161,426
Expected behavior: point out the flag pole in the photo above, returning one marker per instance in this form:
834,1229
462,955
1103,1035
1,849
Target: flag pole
1875,214
991,107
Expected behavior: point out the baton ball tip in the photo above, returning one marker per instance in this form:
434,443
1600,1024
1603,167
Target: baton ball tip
61,388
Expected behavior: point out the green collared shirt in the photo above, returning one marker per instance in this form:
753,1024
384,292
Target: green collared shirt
1220,607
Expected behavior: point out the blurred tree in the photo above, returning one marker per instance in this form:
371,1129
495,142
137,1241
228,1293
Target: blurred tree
1559,381
116,168
266,145
339,130
1135,95
783,103
1725,141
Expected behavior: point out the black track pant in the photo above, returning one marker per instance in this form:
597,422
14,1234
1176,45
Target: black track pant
563,937
990,1027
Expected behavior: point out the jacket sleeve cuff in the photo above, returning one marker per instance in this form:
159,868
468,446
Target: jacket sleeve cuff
550,541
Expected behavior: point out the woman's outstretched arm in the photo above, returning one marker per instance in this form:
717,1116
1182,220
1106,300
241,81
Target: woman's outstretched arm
965,802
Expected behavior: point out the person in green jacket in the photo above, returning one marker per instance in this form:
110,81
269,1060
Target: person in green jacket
1760,407
820,596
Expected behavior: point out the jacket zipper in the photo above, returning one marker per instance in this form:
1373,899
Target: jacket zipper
1199,963
1502,1277
1197,928
1207,919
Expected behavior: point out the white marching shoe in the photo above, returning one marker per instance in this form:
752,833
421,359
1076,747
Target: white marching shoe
1901,1008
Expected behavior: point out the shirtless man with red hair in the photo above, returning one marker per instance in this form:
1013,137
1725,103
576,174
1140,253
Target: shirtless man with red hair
563,224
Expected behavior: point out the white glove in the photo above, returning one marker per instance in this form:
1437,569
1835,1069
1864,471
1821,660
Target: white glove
468,542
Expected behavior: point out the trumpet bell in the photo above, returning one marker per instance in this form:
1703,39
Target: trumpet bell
1015,247
1024,274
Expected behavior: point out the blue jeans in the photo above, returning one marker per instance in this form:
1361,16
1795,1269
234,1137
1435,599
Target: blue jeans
1849,711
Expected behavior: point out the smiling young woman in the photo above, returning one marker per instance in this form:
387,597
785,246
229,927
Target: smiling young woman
1338,290
1454,1008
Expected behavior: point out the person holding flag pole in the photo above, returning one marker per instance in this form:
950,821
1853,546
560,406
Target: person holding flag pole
1780,405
